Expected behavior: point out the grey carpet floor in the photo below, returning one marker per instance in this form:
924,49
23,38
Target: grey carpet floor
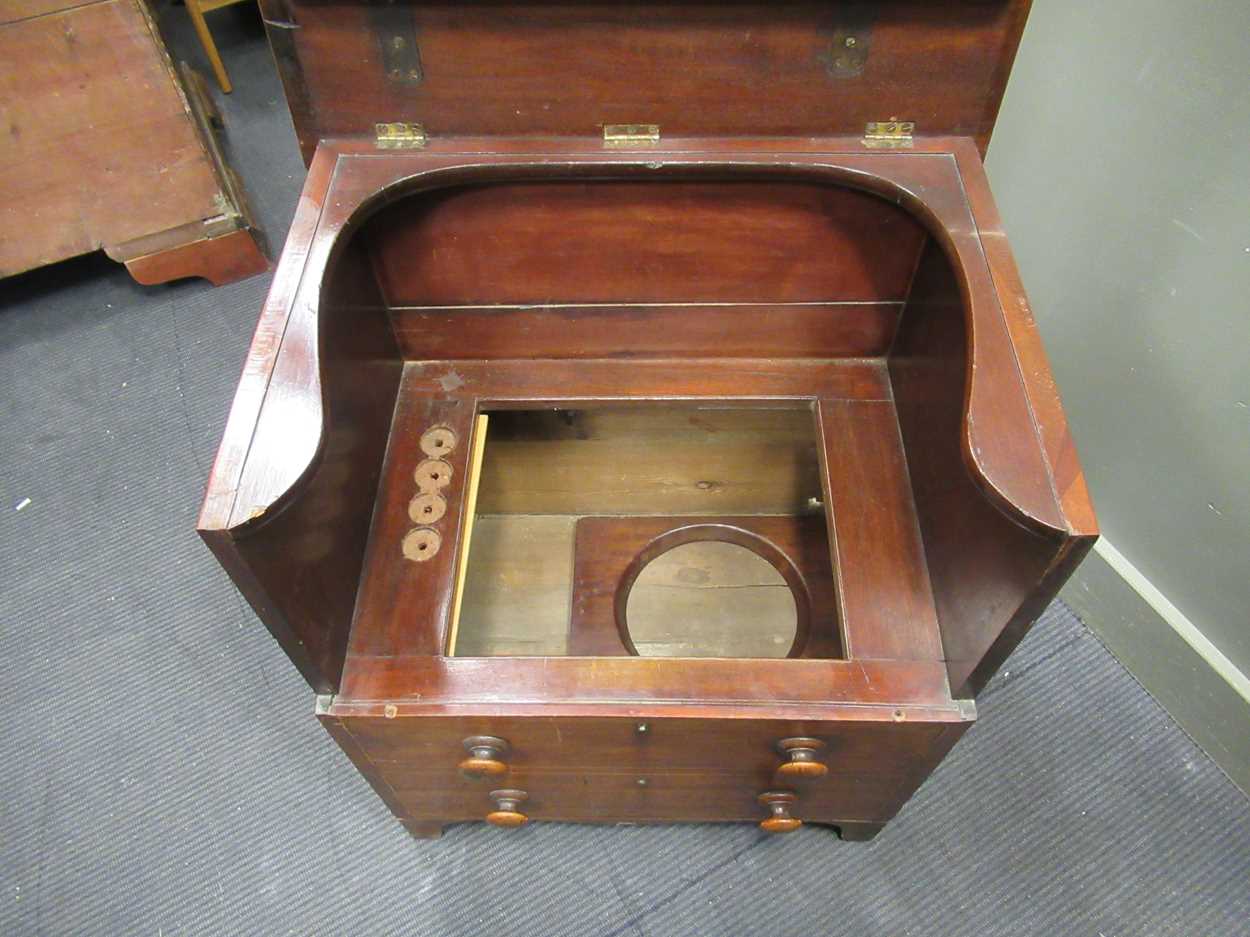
163,773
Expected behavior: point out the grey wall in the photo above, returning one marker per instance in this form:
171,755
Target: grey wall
1121,165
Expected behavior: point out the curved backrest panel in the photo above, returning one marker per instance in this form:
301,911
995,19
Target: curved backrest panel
644,267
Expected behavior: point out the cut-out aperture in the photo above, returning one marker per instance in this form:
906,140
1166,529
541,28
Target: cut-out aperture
711,599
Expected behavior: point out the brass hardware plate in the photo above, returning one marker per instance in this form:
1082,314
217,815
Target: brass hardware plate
396,34
847,53
889,134
623,136
399,136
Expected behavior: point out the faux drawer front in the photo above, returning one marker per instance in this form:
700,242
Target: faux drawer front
691,796
692,769
435,744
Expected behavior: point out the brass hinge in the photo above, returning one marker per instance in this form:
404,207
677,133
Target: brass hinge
888,134
400,136
619,136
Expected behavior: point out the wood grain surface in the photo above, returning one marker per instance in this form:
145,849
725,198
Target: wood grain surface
99,148
697,69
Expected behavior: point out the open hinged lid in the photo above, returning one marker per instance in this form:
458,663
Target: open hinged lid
689,67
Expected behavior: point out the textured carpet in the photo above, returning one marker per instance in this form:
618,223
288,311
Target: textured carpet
163,773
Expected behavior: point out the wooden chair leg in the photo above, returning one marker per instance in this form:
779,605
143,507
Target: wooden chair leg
210,47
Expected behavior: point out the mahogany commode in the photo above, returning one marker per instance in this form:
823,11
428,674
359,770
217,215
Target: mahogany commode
703,468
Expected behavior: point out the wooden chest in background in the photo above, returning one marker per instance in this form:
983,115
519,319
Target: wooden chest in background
105,146
647,422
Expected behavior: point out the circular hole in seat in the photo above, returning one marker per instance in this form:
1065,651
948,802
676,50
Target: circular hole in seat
711,598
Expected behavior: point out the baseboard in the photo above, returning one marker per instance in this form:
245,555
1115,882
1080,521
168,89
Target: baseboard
1199,687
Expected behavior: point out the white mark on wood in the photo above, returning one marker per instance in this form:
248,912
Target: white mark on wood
450,381
864,673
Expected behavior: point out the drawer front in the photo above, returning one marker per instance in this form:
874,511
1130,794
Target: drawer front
638,796
621,769
624,744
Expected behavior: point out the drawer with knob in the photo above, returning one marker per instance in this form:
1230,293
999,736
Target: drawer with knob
800,758
537,794
778,804
796,752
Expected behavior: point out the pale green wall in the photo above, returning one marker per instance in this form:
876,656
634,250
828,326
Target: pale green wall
1121,165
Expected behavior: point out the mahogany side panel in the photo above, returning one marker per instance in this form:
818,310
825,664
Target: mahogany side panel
405,598
298,562
697,69
883,585
1039,384
643,241
991,576
262,356
362,758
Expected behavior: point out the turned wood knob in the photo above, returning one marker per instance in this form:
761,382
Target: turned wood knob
485,757
802,755
506,812
779,819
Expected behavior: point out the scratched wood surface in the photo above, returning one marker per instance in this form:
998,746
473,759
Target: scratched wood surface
99,148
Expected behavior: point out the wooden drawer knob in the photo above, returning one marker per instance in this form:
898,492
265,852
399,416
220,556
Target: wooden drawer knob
506,812
485,757
779,819
802,758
